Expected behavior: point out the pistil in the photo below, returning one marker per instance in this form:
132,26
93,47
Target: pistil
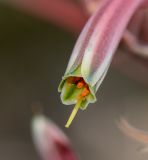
80,83
73,114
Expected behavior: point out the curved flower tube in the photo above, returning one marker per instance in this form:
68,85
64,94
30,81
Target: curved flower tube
133,133
50,142
94,51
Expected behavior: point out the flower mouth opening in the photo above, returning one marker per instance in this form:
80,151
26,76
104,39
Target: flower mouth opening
80,84
75,90
84,92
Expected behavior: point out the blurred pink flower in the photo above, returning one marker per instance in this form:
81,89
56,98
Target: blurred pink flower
64,13
134,133
50,142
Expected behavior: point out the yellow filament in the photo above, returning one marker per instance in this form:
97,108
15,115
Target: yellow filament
73,114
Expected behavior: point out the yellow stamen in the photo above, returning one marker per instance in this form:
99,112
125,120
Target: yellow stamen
74,112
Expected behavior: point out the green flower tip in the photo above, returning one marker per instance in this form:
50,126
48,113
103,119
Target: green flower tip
74,90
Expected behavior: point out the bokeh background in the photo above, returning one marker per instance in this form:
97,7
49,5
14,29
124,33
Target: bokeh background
33,58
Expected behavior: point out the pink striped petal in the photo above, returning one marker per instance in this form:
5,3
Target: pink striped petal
108,25
95,49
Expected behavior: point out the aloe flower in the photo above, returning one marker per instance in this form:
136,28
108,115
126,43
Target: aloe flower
94,51
72,15
50,142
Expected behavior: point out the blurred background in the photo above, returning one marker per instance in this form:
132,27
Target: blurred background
33,58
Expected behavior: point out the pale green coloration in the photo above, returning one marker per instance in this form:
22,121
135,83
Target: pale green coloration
69,92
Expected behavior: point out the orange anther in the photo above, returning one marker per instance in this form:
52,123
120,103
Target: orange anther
80,84
85,92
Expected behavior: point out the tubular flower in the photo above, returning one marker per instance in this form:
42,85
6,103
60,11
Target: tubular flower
94,51
50,141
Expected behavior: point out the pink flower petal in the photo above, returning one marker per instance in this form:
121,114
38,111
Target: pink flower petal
108,24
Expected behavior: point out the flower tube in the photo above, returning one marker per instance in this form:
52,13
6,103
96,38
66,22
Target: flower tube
94,51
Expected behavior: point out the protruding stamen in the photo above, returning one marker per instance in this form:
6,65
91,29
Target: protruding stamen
73,114
79,84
